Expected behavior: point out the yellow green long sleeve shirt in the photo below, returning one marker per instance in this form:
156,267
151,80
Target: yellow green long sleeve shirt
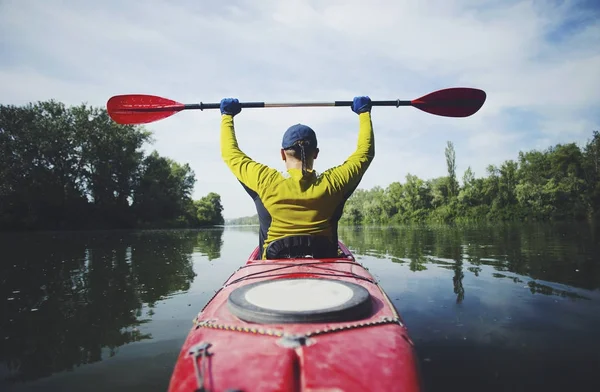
312,204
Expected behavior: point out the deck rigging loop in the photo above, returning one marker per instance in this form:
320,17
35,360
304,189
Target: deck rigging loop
326,267
200,350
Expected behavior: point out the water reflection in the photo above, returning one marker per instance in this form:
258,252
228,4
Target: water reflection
209,243
554,253
70,299
490,308
493,307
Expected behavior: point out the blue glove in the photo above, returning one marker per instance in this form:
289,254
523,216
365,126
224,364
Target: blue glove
361,105
230,106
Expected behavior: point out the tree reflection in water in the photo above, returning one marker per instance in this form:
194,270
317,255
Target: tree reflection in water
72,298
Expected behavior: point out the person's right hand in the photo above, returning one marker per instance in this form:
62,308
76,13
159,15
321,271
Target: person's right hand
231,106
361,105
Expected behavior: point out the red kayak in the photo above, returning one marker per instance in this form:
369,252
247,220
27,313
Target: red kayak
298,325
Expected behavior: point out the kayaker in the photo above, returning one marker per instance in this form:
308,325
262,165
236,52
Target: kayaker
298,209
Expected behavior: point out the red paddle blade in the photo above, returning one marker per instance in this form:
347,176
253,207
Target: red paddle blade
451,102
141,109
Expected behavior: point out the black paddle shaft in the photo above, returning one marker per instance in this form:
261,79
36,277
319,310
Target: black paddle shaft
203,106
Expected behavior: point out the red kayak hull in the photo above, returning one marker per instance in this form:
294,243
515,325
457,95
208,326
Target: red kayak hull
374,353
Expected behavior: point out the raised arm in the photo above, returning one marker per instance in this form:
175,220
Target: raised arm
250,173
347,175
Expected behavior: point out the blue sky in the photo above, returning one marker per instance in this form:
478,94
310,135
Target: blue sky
538,61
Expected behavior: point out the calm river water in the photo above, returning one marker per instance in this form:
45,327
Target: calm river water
490,308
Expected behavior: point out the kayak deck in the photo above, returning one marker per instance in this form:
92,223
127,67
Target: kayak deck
372,352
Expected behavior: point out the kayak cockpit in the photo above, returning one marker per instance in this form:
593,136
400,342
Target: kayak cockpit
302,246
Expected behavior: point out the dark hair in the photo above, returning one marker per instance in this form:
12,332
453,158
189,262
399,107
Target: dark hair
298,150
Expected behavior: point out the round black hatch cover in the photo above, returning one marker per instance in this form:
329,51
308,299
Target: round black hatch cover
300,300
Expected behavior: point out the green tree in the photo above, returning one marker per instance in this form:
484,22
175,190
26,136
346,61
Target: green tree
209,210
163,193
416,198
591,168
55,161
73,167
451,165
441,191
112,157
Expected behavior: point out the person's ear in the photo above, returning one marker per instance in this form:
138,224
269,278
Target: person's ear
316,153
283,157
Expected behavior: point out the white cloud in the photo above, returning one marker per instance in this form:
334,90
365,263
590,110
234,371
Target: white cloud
538,58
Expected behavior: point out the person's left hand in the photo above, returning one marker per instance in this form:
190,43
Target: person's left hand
231,106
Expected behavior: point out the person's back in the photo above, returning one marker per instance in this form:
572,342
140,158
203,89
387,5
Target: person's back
300,201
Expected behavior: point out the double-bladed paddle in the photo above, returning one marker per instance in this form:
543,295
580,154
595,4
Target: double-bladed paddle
142,109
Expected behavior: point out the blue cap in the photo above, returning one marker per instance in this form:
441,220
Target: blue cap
298,132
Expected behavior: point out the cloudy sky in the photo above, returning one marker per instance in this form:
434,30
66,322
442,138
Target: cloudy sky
538,61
